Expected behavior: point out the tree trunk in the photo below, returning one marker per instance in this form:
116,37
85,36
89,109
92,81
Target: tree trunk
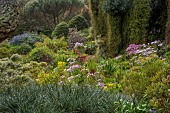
8,18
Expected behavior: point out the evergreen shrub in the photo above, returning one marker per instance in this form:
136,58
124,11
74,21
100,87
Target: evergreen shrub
78,22
60,30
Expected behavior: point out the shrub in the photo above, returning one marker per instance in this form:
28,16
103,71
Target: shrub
90,48
27,38
5,52
41,54
16,57
47,32
23,49
116,7
148,77
60,30
74,37
55,44
78,22
167,54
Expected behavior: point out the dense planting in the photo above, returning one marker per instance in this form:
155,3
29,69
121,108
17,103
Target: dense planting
59,62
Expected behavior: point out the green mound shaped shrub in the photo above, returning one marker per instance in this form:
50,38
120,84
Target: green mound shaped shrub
60,30
78,22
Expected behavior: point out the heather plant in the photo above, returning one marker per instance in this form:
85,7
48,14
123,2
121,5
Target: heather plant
5,52
9,68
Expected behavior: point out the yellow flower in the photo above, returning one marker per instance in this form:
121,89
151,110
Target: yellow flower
61,64
110,85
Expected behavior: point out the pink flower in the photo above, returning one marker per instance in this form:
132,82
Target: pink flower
70,69
70,78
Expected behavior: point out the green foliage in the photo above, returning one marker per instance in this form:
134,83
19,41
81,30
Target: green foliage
116,7
90,48
67,99
60,30
47,32
167,54
78,22
5,52
137,21
114,33
9,15
23,49
16,57
149,77
41,54
11,73
55,44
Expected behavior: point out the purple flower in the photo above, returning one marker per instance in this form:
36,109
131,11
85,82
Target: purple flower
161,44
101,84
132,49
77,44
155,42
116,58
152,111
